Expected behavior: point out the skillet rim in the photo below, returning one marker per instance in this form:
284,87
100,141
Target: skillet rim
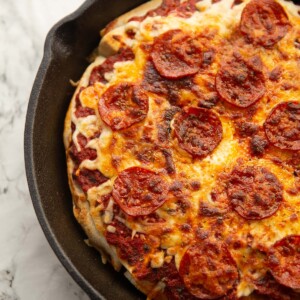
29,157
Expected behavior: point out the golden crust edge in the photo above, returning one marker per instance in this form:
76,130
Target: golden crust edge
110,45
80,204
139,11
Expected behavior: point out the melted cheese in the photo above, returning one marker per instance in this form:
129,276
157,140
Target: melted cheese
116,151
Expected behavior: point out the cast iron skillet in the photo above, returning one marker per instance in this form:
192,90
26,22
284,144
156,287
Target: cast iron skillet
67,45
66,48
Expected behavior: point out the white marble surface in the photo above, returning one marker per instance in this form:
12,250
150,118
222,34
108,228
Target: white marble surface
28,267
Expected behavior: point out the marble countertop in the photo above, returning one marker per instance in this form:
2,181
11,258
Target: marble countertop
28,267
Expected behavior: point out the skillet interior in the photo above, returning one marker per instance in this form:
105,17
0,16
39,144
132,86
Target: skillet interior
67,45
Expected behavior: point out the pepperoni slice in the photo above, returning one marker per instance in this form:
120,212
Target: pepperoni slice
208,270
264,22
282,126
270,287
176,54
139,192
123,105
198,130
241,82
254,192
284,261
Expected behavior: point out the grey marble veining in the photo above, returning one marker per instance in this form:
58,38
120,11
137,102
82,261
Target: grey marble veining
28,267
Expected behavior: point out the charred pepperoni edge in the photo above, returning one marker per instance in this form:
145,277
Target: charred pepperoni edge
209,116
238,195
168,62
89,178
159,191
128,118
285,249
131,249
80,111
268,286
201,249
84,153
254,67
97,74
282,22
276,139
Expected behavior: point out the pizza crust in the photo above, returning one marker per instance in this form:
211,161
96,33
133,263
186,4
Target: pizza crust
114,38
136,12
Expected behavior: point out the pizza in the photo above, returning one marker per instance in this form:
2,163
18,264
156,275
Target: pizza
183,149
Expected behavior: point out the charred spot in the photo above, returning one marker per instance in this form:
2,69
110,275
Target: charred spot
146,248
145,154
176,186
163,133
258,145
202,234
170,113
245,129
185,227
164,129
208,57
195,185
208,210
275,74
183,205
170,167
210,102
115,161
154,83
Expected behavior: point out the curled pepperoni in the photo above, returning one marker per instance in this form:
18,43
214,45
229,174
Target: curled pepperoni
139,192
176,54
254,192
123,105
208,270
198,130
284,261
282,126
241,82
264,22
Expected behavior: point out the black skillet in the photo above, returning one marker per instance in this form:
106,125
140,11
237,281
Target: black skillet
67,45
